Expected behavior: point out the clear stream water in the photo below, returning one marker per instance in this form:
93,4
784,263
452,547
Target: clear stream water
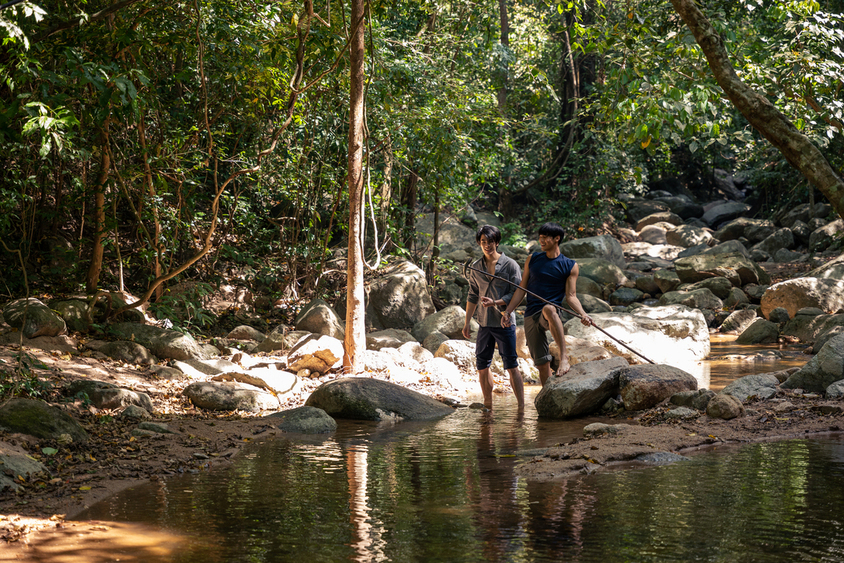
446,491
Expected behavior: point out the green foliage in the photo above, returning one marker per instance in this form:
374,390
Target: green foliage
21,380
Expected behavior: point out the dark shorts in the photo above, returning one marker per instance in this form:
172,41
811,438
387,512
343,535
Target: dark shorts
537,339
488,336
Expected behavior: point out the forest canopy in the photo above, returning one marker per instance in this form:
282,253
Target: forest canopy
144,143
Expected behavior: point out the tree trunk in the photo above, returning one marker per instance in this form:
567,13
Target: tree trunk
505,43
408,200
96,265
355,339
797,149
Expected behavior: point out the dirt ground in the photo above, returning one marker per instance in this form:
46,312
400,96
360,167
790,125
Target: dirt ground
82,475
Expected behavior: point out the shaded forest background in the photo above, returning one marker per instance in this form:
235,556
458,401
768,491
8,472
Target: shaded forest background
144,144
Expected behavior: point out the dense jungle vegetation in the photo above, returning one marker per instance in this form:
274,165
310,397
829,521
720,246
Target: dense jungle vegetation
146,143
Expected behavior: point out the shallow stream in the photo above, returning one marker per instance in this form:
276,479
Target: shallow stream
446,491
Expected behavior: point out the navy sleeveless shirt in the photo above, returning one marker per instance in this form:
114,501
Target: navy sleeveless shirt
547,278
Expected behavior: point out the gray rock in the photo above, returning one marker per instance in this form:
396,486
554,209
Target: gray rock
638,209
390,338
721,287
736,298
797,293
653,234
835,390
725,407
697,399
434,340
599,429
647,284
696,268
157,427
448,321
303,420
399,298
644,386
603,247
666,280
74,312
279,340
589,287
805,212
738,321
783,238
33,318
362,398
591,305
134,412
625,296
824,237
665,335
682,206
697,299
688,236
736,228
37,418
105,395
779,315
720,214
783,255
583,390
810,327
16,461
246,332
824,369
602,272
761,385
161,342
229,396
316,353
320,318
760,331
659,218
128,352
728,247
826,336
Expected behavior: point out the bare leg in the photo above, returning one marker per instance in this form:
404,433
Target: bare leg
485,377
544,372
556,327
518,386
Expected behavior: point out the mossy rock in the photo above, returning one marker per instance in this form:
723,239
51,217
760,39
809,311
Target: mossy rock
37,418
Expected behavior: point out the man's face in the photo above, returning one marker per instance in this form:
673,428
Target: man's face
489,247
546,243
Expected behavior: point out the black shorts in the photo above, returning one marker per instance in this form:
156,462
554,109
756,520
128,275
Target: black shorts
488,336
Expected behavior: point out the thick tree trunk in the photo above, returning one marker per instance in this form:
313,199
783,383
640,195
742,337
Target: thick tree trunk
797,149
96,265
355,339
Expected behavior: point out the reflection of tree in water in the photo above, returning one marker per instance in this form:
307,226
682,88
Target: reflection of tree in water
366,531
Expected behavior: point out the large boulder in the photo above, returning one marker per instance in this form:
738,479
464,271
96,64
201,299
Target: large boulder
805,212
720,214
603,247
644,386
390,338
823,237
128,352
674,335
688,236
666,280
824,369
808,325
701,266
246,332
74,312
721,287
37,418
798,293
460,353
319,317
602,272
701,298
662,217
738,321
583,390
229,396
760,331
760,385
399,298
448,321
638,209
682,205
163,343
362,398
105,395
40,320
737,228
783,238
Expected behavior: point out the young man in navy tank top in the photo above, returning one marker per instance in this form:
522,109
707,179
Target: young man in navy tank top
551,276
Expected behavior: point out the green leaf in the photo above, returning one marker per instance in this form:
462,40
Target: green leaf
49,451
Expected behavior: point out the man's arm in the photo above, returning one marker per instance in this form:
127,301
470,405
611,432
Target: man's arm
571,296
518,295
470,312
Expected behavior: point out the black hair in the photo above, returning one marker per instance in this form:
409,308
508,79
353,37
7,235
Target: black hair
491,233
552,230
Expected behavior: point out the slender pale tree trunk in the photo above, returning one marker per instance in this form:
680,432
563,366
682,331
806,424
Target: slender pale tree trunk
96,265
797,149
355,339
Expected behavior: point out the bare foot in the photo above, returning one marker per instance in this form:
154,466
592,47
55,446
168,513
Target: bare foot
563,369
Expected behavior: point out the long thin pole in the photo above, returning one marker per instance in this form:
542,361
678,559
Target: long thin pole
560,307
